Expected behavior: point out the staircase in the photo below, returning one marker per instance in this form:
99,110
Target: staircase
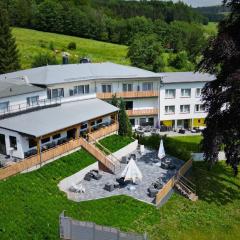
186,187
110,162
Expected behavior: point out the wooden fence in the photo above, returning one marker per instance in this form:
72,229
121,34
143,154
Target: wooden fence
170,184
36,159
104,131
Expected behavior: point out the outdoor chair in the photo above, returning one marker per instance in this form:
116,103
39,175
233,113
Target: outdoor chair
124,160
121,182
157,185
152,192
77,189
88,176
96,175
182,131
109,187
133,156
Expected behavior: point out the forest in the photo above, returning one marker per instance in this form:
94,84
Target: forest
177,27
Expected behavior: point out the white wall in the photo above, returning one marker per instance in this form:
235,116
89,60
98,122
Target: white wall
22,99
144,103
19,153
178,100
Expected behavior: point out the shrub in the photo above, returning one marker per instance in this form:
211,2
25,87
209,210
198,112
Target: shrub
72,46
172,146
43,60
51,46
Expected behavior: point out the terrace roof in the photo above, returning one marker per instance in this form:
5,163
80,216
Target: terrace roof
49,120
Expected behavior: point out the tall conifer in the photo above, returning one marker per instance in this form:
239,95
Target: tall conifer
9,59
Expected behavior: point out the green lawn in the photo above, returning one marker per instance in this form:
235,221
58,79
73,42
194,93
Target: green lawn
115,142
31,203
32,42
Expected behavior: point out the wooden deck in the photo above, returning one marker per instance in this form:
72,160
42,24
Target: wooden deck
59,150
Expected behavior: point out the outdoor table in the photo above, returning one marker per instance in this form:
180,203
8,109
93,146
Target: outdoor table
109,187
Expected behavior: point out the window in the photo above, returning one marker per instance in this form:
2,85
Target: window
129,105
127,87
147,86
84,126
32,101
32,142
49,93
184,108
169,109
13,142
132,121
57,92
186,92
170,93
4,106
199,108
99,121
45,140
198,92
106,88
56,136
81,89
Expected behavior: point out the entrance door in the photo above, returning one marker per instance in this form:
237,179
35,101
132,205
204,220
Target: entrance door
186,124
2,144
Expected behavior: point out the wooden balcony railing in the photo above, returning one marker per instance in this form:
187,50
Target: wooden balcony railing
104,131
132,94
27,163
142,112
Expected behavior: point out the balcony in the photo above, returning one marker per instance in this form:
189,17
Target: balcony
142,112
14,167
24,107
132,94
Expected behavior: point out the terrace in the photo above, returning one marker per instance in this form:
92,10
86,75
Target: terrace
148,163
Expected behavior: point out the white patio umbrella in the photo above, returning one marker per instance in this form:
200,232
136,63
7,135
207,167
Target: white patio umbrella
161,151
132,172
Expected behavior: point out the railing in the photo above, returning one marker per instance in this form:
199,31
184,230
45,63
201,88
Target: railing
24,106
58,151
99,155
131,94
142,112
170,184
104,131
36,159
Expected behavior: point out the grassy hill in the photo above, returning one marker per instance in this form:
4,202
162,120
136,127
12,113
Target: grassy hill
31,43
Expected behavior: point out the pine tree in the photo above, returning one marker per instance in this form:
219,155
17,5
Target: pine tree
222,96
9,59
125,128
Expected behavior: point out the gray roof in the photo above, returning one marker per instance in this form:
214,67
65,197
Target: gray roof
185,77
54,74
13,87
52,119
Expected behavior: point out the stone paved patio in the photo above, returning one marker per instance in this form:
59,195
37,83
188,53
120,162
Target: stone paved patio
150,169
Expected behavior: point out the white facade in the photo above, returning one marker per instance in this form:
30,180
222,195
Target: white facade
185,107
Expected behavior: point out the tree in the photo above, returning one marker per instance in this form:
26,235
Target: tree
222,96
144,52
125,128
43,60
114,100
9,58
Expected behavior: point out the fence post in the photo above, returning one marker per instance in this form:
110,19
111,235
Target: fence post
94,231
145,236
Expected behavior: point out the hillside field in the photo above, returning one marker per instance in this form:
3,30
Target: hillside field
31,42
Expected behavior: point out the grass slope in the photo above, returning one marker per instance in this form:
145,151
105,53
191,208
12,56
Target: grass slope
115,142
31,43
31,203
